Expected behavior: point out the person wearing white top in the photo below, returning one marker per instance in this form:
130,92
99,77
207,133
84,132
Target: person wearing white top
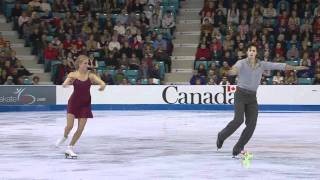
270,11
34,4
23,18
119,28
114,44
45,6
278,79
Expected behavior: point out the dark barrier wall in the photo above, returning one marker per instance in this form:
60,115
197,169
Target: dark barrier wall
28,95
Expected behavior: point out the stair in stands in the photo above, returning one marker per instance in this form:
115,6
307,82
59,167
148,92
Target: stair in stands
23,53
186,42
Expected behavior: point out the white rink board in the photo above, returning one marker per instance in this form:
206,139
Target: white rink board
183,94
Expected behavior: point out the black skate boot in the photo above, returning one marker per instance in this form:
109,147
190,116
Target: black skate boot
236,151
219,142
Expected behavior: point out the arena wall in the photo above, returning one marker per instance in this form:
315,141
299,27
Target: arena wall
162,97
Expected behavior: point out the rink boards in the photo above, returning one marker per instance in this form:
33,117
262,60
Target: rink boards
161,97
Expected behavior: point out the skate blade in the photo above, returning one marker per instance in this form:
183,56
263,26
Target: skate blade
68,156
236,157
243,157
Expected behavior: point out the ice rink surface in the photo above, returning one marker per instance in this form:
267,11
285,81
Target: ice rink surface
145,145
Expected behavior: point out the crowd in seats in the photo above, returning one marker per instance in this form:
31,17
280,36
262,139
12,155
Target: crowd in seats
12,72
128,41
286,31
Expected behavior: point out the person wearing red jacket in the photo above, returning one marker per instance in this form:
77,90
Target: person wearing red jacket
203,53
50,54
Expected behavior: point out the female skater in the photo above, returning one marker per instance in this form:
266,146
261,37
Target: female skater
249,72
79,104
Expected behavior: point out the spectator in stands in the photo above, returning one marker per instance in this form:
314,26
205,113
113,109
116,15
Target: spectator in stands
15,14
196,79
35,40
243,27
154,22
79,43
125,49
3,74
9,81
56,42
211,81
27,31
160,42
22,71
168,22
119,27
269,13
34,5
317,80
256,21
21,21
278,79
208,9
144,21
91,44
203,53
35,80
224,69
107,78
206,27
316,57
162,55
224,81
317,68
114,44
316,38
61,6
50,54
278,58
212,78
305,60
233,14
240,55
45,6
155,72
202,70
92,63
293,52
264,80
306,73
279,49
119,76
219,18
291,78
134,62
282,5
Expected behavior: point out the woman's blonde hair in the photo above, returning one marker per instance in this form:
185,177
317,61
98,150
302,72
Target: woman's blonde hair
80,60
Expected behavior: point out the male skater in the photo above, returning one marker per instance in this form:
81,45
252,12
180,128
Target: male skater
249,72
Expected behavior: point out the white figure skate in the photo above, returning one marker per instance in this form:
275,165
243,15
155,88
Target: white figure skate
70,154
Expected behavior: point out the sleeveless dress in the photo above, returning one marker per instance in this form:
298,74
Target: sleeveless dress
79,103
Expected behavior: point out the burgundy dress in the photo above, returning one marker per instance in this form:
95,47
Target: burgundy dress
79,103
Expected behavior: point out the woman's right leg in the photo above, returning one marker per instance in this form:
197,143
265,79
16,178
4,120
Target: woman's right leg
67,129
81,124
69,126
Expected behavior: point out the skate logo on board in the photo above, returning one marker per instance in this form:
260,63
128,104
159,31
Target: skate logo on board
28,95
25,98
20,96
